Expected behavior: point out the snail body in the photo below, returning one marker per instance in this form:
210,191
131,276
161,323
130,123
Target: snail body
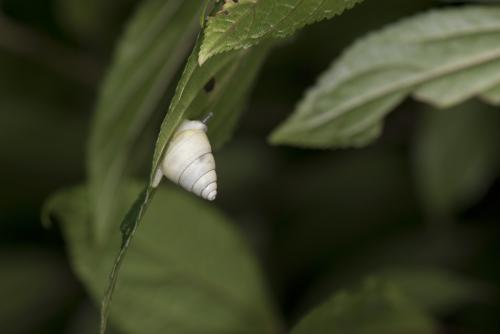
189,161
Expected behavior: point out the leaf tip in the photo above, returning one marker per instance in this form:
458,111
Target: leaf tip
284,134
276,138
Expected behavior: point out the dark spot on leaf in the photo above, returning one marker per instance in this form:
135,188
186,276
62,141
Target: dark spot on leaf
210,85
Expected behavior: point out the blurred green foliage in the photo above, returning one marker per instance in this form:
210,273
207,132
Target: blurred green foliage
456,157
414,216
182,275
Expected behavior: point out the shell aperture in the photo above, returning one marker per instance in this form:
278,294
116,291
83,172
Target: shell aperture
189,161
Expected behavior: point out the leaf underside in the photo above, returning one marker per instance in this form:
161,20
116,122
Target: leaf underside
242,24
442,58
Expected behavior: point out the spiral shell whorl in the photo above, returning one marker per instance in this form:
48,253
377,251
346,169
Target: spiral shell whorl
189,161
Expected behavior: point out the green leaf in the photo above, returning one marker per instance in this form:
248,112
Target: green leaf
377,308
233,74
154,46
457,156
443,57
242,24
188,270
192,100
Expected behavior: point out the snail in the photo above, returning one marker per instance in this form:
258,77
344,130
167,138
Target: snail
189,161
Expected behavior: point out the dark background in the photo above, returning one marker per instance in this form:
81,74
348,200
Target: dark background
317,219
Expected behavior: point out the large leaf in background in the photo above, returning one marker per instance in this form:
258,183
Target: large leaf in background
442,57
377,308
187,272
149,54
456,157
242,24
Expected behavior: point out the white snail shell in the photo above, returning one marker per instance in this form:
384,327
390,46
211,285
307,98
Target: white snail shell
189,161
